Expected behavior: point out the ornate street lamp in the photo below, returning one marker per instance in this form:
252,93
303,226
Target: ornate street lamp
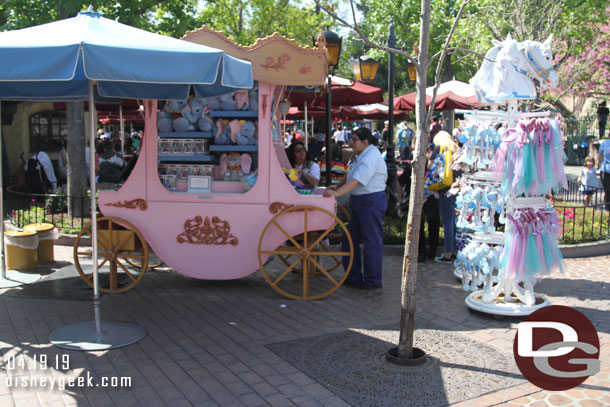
333,46
365,69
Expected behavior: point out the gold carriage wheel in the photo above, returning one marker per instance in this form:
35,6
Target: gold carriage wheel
152,263
308,256
114,249
333,237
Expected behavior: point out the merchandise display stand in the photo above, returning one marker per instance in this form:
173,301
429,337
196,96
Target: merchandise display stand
507,297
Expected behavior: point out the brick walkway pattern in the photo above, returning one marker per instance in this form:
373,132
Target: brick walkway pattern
206,339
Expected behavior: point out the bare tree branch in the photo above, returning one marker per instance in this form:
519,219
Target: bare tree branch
445,47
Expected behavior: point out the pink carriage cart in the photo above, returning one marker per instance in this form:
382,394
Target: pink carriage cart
196,214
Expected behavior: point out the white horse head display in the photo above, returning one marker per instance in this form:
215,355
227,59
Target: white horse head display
510,66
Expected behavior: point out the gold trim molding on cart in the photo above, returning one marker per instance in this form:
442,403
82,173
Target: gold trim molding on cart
275,59
137,203
207,232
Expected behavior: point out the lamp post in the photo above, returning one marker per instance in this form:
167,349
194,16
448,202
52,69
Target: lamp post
284,107
333,46
389,158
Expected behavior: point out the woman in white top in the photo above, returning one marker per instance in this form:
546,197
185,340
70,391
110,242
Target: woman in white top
309,171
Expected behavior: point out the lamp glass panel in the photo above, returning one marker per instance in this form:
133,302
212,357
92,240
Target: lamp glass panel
412,72
369,70
284,106
333,54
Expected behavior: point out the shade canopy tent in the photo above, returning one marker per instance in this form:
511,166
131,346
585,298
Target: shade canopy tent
374,111
377,111
62,60
340,113
450,95
344,93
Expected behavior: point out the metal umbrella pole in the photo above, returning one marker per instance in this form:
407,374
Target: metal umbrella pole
93,335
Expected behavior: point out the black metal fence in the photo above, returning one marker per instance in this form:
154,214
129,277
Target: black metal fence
579,135
24,208
579,223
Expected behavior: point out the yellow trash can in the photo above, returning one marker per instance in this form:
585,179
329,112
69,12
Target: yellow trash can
21,250
46,235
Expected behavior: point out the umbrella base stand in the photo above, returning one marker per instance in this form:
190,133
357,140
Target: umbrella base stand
84,336
14,278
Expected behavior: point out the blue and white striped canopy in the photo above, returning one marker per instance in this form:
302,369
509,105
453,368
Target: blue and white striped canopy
55,61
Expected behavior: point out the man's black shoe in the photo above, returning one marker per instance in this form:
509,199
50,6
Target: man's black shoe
353,284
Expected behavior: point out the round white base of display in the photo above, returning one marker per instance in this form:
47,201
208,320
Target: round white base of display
84,336
501,307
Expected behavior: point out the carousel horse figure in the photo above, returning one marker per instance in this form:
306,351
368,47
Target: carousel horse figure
510,67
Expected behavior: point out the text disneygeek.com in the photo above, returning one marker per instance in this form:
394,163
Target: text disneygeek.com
61,383
20,371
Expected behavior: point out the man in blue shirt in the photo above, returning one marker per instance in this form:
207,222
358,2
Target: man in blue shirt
366,180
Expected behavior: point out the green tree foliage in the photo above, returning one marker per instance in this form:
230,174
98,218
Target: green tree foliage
246,21
573,23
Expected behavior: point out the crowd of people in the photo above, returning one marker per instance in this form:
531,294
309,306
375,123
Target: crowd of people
113,162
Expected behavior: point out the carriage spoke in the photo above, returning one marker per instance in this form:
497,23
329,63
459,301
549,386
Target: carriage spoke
323,235
129,255
305,233
280,252
88,254
305,274
330,253
126,271
281,276
294,242
323,270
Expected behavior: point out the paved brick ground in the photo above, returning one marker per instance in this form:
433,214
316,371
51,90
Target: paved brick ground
206,341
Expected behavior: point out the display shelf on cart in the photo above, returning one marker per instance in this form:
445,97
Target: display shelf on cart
232,147
238,114
195,158
186,134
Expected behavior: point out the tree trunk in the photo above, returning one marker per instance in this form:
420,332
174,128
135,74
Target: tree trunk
78,205
409,267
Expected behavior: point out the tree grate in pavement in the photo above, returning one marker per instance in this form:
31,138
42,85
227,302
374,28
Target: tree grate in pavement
352,365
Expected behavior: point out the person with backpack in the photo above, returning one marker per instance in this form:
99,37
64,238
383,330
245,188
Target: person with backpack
111,163
39,174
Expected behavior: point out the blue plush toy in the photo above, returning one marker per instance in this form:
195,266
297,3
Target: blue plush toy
213,103
205,123
193,111
174,106
227,102
247,135
164,121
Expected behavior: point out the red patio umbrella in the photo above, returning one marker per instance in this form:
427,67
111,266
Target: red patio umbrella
377,111
340,113
450,95
344,93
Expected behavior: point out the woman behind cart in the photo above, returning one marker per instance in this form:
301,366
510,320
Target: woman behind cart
309,171
366,180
